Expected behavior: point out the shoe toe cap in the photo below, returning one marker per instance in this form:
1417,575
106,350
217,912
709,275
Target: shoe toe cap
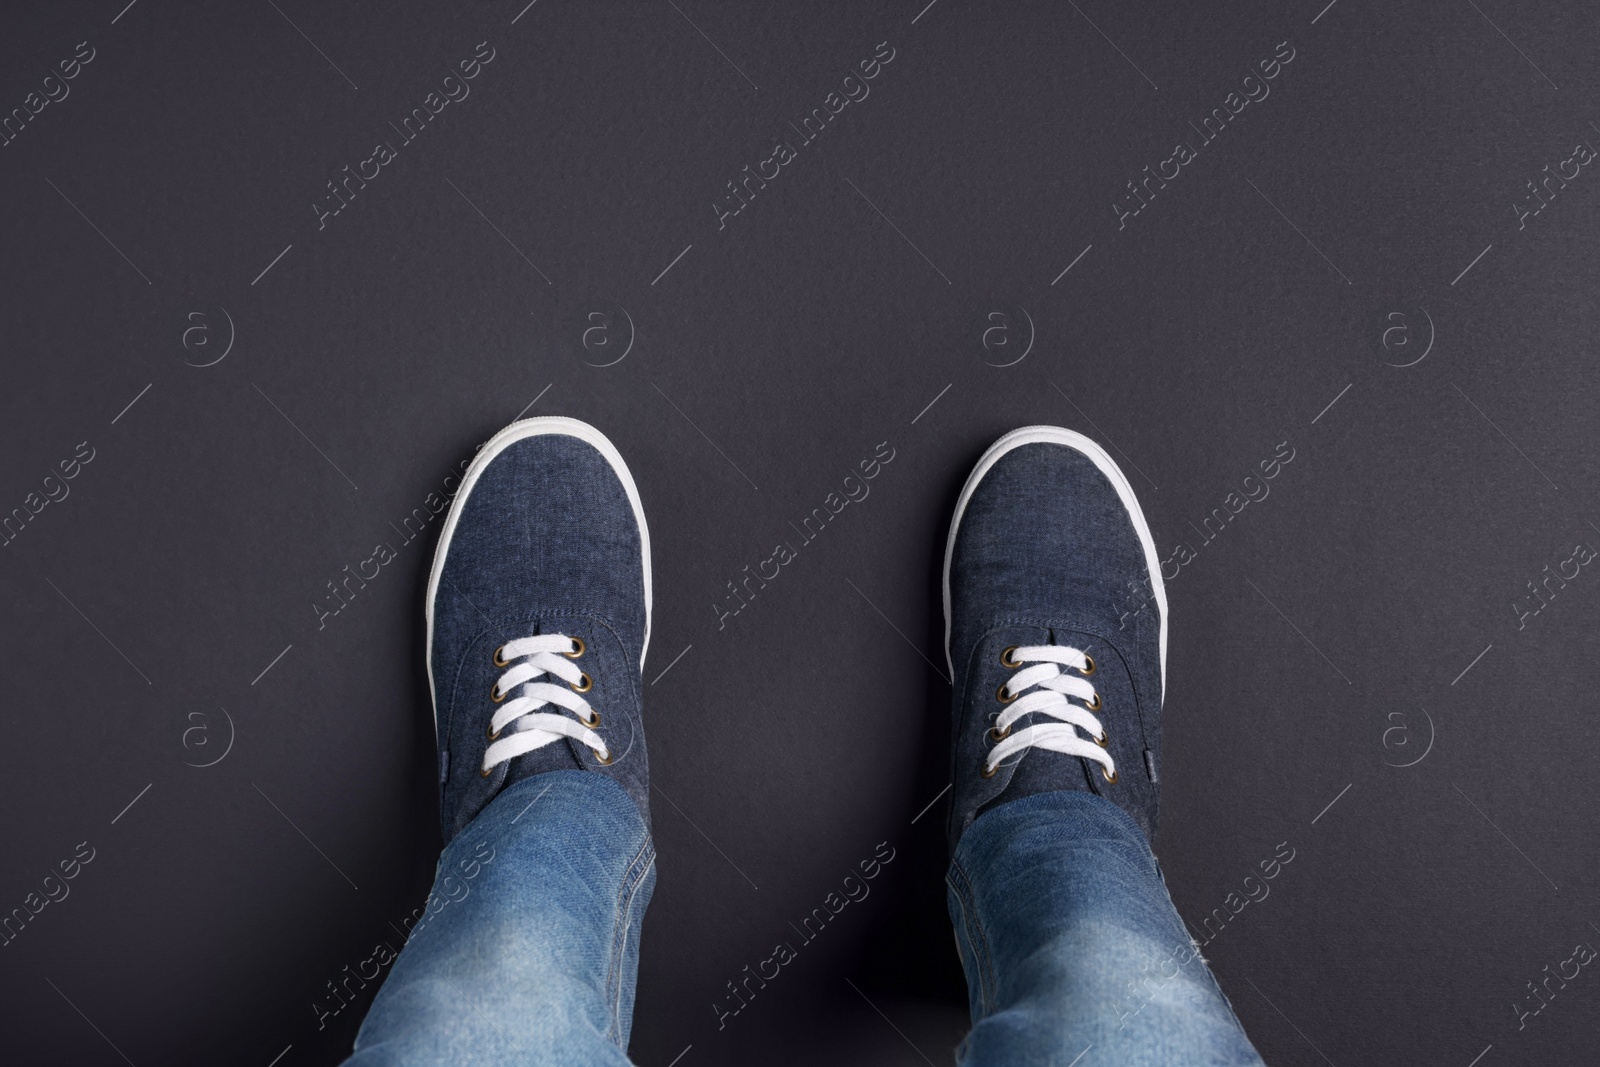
548,529
1045,537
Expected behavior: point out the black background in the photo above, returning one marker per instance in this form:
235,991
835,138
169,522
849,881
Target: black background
1317,644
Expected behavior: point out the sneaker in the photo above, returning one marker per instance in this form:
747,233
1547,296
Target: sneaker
1058,677
539,618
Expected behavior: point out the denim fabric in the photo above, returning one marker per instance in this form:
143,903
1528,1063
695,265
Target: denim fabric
1064,926
1063,922
1044,553
535,961
545,541
1070,943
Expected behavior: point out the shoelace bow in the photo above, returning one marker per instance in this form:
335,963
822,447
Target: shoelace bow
522,696
1053,690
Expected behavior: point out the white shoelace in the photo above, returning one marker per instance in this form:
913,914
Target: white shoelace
1051,689
521,696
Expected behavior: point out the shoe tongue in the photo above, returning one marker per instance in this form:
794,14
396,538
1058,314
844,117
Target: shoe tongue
465,791
1043,770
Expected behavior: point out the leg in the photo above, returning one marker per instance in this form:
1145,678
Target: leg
1071,944
529,946
1056,632
538,618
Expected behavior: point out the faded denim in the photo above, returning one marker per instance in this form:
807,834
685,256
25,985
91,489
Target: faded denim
537,963
1071,944
1068,938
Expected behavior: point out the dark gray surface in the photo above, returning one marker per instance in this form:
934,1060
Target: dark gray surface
1316,644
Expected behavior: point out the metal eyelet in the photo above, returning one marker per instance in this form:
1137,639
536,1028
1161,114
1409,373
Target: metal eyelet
1088,667
997,734
1111,778
1096,706
1007,661
987,772
605,761
1104,740
583,685
485,773
578,651
1000,694
493,734
500,661
591,723
495,694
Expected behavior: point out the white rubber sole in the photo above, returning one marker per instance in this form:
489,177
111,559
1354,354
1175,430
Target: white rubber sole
1055,435
518,431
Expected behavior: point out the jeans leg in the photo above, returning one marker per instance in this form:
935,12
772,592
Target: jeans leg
1072,947
529,949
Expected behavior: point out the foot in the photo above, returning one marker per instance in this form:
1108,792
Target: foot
1055,629
539,617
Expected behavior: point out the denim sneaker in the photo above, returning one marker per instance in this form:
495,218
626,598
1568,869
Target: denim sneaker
1055,630
539,617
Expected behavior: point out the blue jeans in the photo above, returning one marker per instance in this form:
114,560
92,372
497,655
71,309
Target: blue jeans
533,960
529,950
1072,947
